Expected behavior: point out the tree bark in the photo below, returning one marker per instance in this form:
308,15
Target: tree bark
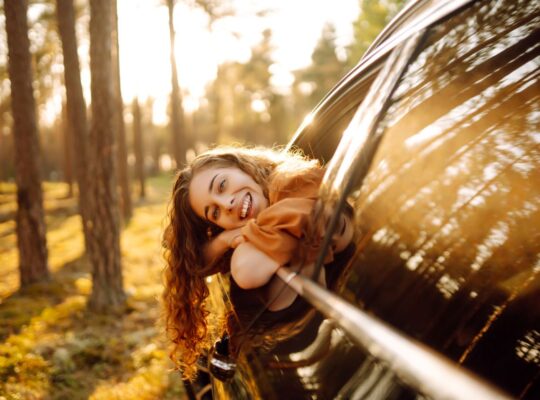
138,145
76,110
107,289
122,153
151,140
31,240
179,143
67,134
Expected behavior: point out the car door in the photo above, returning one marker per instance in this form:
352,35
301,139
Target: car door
447,218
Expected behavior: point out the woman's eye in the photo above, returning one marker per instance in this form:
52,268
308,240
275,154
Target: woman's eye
215,213
222,186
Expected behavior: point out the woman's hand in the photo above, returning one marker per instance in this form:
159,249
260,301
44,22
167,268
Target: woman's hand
226,240
231,238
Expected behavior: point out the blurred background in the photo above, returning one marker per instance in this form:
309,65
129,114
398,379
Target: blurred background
169,79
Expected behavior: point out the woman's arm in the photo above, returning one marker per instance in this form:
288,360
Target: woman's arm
282,297
216,247
250,267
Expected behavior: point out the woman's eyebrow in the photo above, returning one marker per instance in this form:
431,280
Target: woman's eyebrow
212,183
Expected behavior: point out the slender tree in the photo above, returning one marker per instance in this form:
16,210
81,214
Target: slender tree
152,136
76,110
179,144
107,289
65,128
6,141
7,166
123,171
138,147
31,240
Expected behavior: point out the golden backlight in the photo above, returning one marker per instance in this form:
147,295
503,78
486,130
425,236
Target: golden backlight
201,46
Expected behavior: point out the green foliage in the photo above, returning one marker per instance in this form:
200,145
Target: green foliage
243,106
216,9
373,17
256,73
324,72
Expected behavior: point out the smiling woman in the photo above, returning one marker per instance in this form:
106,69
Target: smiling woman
189,248
232,208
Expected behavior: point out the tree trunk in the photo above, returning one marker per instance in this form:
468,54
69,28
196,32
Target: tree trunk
138,145
179,144
67,134
76,110
7,165
151,140
4,166
123,172
31,240
107,289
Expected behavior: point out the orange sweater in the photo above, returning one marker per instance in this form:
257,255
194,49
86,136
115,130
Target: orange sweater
278,228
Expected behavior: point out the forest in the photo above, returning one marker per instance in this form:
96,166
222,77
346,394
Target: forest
86,168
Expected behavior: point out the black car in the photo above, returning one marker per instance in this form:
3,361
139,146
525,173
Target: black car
434,140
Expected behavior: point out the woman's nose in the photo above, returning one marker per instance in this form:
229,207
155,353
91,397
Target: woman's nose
227,202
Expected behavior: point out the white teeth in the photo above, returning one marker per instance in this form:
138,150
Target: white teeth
245,207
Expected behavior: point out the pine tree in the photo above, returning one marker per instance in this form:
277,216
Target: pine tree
107,285
179,144
373,17
31,240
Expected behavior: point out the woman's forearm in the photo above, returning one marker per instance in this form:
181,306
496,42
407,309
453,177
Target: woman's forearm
214,249
250,267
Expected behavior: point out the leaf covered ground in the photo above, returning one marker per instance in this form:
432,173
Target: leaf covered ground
51,347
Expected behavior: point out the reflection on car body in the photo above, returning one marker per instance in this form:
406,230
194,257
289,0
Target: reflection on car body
446,211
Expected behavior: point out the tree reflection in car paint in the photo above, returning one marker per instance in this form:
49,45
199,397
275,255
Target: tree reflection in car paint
450,212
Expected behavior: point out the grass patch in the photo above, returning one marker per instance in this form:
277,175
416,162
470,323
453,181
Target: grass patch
51,346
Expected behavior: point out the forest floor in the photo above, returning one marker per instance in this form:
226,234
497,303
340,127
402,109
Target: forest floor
51,346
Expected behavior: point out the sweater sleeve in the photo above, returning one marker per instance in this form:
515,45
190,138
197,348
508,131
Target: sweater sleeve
277,229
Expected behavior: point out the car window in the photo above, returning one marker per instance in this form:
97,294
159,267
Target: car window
320,137
448,218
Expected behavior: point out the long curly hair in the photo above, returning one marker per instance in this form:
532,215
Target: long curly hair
185,315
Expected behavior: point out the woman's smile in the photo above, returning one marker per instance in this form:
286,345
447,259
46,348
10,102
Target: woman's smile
246,206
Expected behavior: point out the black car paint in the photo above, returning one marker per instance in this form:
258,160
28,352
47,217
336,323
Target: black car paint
485,317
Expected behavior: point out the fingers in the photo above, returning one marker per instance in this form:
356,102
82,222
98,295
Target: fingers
237,240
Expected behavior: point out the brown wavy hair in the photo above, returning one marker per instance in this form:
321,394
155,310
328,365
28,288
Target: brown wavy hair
184,312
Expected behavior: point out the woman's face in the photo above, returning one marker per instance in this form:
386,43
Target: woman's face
226,196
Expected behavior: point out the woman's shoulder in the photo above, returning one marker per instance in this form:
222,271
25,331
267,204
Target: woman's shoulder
302,182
